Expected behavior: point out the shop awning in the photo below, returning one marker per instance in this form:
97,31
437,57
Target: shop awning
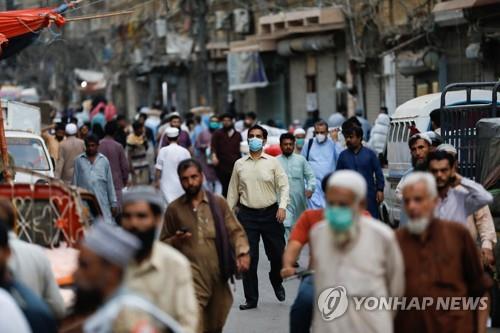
461,4
19,28
94,80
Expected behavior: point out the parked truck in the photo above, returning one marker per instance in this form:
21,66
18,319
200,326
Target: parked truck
458,110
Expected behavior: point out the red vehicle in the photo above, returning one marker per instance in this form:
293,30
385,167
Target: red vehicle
55,216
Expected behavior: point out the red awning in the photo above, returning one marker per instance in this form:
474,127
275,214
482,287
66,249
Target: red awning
19,22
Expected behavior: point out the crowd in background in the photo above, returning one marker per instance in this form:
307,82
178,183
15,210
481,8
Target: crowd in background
194,194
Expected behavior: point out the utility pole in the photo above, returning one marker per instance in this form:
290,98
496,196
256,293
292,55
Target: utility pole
201,10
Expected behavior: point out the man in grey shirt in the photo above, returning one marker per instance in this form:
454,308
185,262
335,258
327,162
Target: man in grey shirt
455,204
93,173
29,264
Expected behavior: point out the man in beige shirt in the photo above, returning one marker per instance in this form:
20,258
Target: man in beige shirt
159,273
259,192
201,226
69,149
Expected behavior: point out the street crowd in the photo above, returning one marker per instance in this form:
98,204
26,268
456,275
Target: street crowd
183,212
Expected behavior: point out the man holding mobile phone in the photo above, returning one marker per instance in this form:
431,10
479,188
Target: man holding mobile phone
201,226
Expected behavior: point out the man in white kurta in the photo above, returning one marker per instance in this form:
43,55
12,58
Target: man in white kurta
363,257
167,162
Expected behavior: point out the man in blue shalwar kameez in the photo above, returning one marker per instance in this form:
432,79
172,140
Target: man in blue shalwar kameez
364,161
322,153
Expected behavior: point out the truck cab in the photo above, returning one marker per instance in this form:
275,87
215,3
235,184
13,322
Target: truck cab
31,156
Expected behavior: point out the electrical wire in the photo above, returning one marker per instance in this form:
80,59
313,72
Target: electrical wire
85,5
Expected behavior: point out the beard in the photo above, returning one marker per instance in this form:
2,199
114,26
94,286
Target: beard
419,165
287,153
3,274
417,226
147,239
192,190
342,239
87,301
227,129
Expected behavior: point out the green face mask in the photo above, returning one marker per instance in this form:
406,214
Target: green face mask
339,218
213,125
300,142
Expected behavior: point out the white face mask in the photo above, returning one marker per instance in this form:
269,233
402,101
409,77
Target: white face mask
321,138
417,226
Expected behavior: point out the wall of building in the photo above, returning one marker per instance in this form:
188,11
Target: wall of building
373,98
326,78
298,88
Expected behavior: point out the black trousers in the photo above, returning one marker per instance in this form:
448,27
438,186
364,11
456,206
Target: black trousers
263,223
224,179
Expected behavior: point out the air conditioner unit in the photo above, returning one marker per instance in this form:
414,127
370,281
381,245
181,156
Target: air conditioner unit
449,18
221,19
242,21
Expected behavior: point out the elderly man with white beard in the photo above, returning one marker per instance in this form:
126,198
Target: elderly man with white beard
354,256
441,262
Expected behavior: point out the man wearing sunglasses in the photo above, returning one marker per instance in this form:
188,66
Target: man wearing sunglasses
159,272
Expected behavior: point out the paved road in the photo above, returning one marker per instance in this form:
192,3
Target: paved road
270,315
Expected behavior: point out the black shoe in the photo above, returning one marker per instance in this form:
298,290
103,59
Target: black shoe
247,306
279,291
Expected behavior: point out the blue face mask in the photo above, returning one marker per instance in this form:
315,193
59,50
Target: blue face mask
255,144
300,142
339,218
213,125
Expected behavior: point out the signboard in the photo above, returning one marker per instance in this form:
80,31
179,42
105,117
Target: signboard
23,117
245,70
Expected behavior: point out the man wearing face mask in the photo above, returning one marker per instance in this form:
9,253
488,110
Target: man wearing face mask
203,154
150,274
225,150
300,179
356,252
441,260
300,138
259,192
322,153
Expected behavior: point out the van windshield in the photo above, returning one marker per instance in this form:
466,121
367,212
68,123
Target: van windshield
28,153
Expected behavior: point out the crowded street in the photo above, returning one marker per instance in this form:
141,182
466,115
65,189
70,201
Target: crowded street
281,166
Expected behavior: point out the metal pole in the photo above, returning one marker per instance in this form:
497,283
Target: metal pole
202,86
4,151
